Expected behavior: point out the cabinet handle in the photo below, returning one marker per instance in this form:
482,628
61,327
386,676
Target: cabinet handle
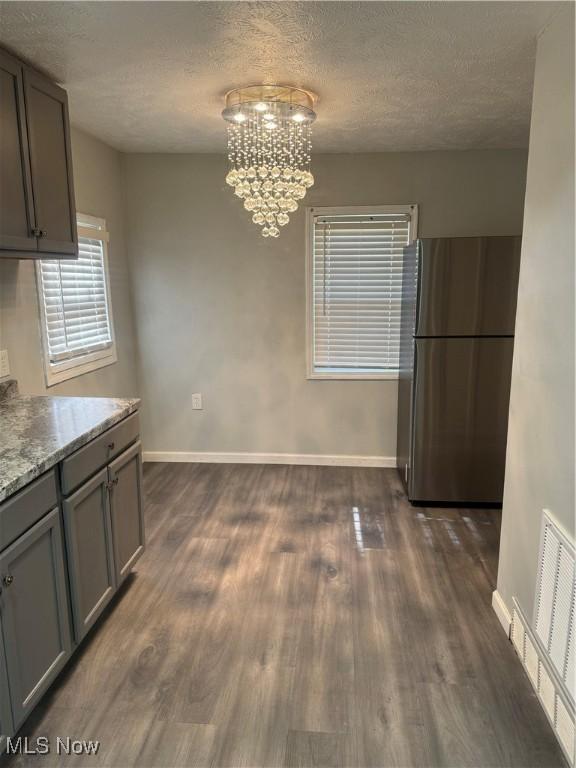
36,232
7,580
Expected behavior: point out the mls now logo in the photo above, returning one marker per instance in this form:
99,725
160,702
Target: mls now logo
42,746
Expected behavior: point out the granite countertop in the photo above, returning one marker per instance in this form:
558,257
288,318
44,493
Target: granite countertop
38,432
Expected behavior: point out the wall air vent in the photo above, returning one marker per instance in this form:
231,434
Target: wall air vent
554,604
546,647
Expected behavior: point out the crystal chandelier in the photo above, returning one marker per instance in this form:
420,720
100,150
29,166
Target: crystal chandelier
269,150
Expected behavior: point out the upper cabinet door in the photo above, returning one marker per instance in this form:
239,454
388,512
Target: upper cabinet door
51,165
16,204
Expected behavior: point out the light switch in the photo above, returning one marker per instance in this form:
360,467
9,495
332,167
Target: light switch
4,363
197,401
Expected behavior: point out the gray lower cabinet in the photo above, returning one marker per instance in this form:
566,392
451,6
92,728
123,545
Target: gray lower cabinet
6,726
126,510
104,526
34,610
101,526
90,551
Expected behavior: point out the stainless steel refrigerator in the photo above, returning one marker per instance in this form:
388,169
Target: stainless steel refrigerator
457,337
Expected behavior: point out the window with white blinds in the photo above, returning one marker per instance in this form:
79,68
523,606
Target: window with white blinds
355,289
75,306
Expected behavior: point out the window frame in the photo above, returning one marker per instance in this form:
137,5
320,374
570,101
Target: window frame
311,212
57,372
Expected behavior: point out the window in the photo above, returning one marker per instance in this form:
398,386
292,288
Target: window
75,311
354,290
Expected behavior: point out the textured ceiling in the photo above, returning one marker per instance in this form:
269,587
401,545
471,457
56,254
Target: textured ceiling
391,76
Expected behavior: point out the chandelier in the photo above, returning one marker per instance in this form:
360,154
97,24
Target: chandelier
269,150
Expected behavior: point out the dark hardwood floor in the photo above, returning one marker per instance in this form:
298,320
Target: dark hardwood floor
300,616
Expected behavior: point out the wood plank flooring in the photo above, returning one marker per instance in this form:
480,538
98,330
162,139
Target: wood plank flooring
300,616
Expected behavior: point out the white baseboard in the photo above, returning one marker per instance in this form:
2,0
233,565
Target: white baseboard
502,612
270,458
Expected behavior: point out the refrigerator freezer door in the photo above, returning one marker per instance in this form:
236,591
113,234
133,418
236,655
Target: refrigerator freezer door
461,395
468,286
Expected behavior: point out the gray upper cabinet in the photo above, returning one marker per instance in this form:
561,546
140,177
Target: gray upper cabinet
37,207
51,165
126,510
17,221
90,552
34,610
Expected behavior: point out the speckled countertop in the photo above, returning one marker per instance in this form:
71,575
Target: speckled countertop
38,432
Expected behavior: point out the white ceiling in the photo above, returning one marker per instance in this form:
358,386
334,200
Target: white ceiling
391,76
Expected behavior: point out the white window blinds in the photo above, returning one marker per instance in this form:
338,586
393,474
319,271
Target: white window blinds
357,288
75,298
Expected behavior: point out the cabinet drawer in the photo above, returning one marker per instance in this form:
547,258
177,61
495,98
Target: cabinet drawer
86,461
26,507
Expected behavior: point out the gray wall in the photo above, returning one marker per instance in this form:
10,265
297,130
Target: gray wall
97,180
221,310
540,457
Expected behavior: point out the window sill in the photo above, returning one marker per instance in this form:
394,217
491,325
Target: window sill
70,369
343,376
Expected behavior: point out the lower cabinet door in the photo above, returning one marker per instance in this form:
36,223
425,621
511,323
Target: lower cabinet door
90,552
6,727
34,611
126,509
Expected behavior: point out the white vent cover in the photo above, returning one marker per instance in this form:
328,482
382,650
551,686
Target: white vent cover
570,672
554,605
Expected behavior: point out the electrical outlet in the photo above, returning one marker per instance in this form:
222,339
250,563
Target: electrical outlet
4,363
197,402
